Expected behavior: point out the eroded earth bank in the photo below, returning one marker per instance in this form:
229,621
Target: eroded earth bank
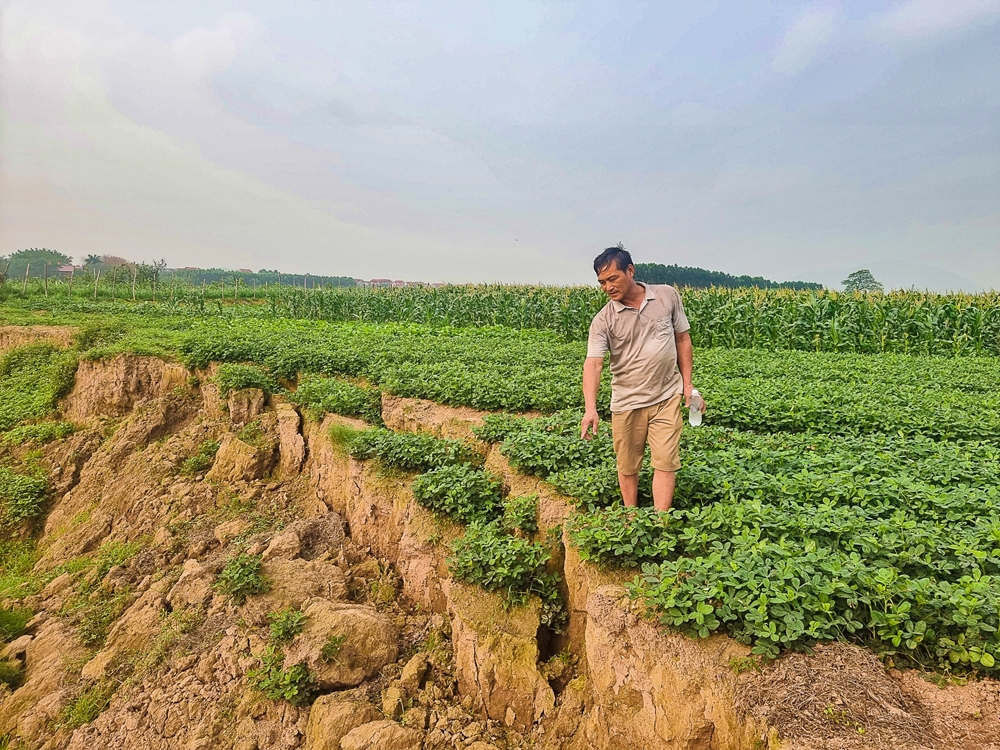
275,593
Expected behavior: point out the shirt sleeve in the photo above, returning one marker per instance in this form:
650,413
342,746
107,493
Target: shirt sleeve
679,318
597,341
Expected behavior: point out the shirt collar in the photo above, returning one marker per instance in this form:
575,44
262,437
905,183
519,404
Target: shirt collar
649,295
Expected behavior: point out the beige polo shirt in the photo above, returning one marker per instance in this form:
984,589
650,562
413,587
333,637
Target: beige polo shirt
643,351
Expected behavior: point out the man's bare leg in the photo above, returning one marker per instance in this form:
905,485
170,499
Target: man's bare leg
629,484
663,488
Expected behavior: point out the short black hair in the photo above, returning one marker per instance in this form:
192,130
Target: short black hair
617,255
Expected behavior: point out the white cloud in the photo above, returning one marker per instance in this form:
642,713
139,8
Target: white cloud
203,53
805,40
920,19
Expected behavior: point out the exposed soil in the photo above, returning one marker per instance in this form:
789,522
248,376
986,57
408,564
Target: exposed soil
172,661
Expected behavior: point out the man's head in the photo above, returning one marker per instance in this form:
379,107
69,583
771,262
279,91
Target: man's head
615,272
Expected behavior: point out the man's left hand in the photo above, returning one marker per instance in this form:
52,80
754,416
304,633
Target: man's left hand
688,389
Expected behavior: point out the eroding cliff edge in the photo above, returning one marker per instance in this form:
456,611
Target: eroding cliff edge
132,632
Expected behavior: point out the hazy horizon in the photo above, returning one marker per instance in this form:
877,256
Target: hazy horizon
480,142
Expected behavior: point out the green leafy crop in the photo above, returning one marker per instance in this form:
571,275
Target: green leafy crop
32,379
237,376
521,513
338,396
461,492
408,451
21,497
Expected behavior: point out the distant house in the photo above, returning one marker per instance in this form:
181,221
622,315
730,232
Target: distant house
245,270
67,270
381,282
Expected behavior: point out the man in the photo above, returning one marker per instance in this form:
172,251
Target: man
645,330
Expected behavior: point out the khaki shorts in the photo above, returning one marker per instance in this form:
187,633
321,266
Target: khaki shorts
660,424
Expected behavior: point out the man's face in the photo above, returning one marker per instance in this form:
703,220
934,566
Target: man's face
615,282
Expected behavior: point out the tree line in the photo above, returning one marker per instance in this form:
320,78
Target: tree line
42,262
700,278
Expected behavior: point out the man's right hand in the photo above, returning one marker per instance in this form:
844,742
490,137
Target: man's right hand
588,427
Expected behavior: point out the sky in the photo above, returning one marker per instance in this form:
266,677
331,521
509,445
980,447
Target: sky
508,141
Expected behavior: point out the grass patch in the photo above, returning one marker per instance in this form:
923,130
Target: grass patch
36,434
202,459
12,622
173,627
11,674
253,435
93,613
88,705
17,559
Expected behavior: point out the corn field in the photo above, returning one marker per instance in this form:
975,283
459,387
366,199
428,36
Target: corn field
826,321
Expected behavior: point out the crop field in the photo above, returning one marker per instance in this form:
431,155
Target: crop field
840,489
897,322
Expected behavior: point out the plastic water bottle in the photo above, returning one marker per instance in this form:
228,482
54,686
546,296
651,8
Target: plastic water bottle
695,408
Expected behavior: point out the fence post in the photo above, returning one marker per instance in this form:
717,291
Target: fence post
69,292
45,282
24,288
97,280
3,276
135,275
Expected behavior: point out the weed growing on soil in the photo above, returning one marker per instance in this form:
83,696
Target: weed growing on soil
276,682
242,576
331,649
286,624
202,460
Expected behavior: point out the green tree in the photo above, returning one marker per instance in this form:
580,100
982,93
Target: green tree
92,260
862,281
38,258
